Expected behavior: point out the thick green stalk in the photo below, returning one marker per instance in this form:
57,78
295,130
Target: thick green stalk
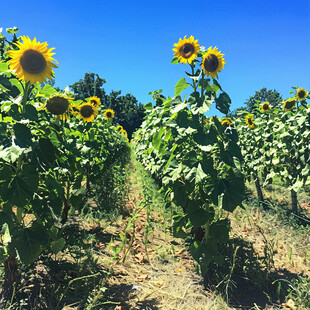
25,95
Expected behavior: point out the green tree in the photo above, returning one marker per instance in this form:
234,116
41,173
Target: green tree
128,111
90,86
272,96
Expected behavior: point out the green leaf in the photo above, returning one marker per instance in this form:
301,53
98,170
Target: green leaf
180,86
47,91
200,175
58,245
22,135
31,113
223,103
148,106
17,83
27,244
175,60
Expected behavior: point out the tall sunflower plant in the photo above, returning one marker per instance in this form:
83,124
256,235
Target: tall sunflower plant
196,158
47,144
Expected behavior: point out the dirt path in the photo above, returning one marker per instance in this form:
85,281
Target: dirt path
158,274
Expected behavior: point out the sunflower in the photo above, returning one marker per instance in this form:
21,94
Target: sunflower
124,132
289,104
57,105
95,101
32,61
249,121
108,114
265,106
87,112
186,50
301,94
226,123
120,128
212,62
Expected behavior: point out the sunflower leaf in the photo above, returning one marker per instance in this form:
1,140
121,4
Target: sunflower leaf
180,86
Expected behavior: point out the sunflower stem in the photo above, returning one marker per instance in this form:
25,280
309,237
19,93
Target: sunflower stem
202,84
194,82
25,96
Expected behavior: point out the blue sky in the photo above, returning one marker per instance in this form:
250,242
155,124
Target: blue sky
129,43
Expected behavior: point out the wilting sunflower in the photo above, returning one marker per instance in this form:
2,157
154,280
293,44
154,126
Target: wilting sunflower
301,94
108,114
289,104
212,62
226,123
249,121
32,61
87,112
265,106
186,50
57,105
119,128
95,101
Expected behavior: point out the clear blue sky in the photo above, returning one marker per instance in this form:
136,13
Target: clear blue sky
129,43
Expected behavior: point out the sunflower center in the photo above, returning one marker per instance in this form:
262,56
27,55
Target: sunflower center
94,102
57,105
289,104
301,94
250,121
211,63
86,111
109,114
33,62
187,50
265,106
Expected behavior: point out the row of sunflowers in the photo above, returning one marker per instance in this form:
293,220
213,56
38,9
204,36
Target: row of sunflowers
196,158
55,154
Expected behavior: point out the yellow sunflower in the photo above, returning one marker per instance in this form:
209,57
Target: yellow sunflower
265,106
124,132
87,112
226,123
212,62
186,50
95,101
249,121
301,94
120,128
289,104
57,105
108,114
32,61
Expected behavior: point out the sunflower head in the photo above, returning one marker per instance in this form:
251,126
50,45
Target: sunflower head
265,106
212,62
32,61
87,112
289,104
249,121
226,123
57,105
301,94
119,128
95,101
186,50
124,132
108,114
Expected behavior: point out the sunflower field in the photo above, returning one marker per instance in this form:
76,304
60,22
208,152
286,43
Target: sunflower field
55,154
275,143
64,163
